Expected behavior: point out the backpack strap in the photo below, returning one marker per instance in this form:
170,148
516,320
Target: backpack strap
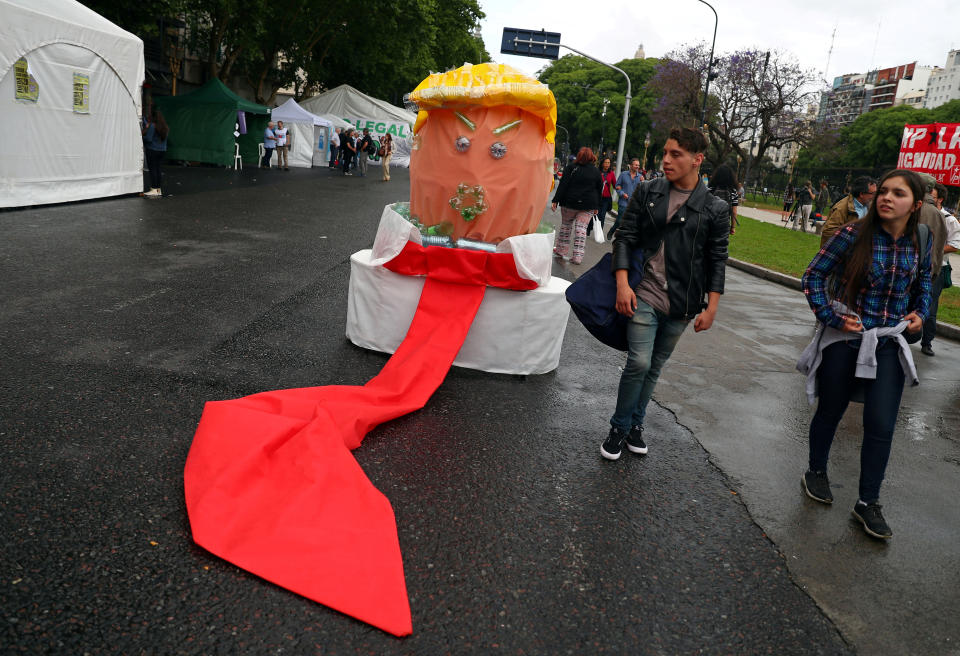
923,233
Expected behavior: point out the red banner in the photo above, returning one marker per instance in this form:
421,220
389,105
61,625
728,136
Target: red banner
933,149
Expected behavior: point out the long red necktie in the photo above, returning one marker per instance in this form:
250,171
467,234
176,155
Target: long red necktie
272,487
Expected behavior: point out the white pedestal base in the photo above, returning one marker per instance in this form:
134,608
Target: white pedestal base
513,332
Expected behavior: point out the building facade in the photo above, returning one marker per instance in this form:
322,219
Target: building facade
944,84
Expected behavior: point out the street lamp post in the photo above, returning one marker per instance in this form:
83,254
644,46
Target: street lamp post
706,87
753,137
646,144
603,128
566,144
547,47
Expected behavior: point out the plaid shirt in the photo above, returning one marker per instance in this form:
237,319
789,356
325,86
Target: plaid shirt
893,288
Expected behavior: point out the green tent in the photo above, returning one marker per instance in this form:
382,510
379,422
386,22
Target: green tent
202,125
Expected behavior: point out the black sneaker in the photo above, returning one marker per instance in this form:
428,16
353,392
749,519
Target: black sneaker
817,486
612,447
635,441
872,519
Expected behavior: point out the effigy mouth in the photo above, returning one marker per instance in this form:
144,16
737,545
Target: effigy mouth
469,201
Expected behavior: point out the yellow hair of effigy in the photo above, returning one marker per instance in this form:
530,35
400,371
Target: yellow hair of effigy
486,85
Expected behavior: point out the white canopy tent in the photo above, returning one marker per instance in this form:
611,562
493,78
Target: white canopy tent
363,111
310,134
69,103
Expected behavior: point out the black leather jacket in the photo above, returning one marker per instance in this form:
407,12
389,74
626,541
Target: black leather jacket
695,250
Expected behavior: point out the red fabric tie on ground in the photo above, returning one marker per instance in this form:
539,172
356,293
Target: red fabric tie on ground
270,483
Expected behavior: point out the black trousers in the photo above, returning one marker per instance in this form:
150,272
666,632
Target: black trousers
154,162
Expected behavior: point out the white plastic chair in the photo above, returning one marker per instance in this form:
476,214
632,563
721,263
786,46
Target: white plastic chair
261,150
237,160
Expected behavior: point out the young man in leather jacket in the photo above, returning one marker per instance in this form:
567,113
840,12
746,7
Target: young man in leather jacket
683,231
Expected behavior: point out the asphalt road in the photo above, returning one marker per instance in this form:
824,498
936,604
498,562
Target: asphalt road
122,317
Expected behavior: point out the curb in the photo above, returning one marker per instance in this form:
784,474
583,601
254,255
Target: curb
946,330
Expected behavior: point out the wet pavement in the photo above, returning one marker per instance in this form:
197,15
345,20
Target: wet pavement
121,317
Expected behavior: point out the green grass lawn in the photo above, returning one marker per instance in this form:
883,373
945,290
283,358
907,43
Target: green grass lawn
758,201
790,251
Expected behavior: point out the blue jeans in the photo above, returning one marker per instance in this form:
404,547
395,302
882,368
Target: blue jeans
651,337
621,208
880,409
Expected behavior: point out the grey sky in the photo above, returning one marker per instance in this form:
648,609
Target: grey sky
801,28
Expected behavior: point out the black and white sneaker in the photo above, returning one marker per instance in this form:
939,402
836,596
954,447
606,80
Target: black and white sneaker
635,441
870,516
817,486
612,447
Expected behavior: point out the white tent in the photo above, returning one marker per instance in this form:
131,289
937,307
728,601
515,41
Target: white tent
363,111
69,104
310,134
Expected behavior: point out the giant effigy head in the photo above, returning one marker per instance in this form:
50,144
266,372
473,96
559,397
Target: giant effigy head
482,160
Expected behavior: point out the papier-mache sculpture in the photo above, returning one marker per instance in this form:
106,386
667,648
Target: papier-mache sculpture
460,275
482,160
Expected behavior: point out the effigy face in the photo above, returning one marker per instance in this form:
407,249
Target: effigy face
480,172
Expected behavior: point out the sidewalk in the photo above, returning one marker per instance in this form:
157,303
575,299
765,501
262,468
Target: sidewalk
737,389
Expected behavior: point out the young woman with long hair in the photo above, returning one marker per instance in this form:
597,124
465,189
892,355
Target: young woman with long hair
867,285
578,196
154,130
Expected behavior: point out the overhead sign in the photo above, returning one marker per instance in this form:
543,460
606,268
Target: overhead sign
933,149
530,43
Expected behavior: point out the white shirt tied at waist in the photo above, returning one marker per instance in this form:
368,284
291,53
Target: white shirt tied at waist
812,356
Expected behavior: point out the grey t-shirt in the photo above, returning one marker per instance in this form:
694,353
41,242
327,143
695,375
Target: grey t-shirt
652,289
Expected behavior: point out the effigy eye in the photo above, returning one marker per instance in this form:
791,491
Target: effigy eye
462,144
498,150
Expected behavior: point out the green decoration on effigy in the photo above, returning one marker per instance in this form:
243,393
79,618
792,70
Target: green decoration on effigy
469,201
470,124
507,126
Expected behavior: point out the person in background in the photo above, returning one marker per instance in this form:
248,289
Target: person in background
850,208
283,146
578,196
823,200
269,145
349,146
724,186
807,195
884,285
154,131
363,151
386,152
334,148
952,244
606,198
626,183
788,197
930,215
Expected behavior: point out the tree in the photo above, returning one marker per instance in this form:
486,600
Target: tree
580,86
873,139
136,17
384,47
756,97
676,85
